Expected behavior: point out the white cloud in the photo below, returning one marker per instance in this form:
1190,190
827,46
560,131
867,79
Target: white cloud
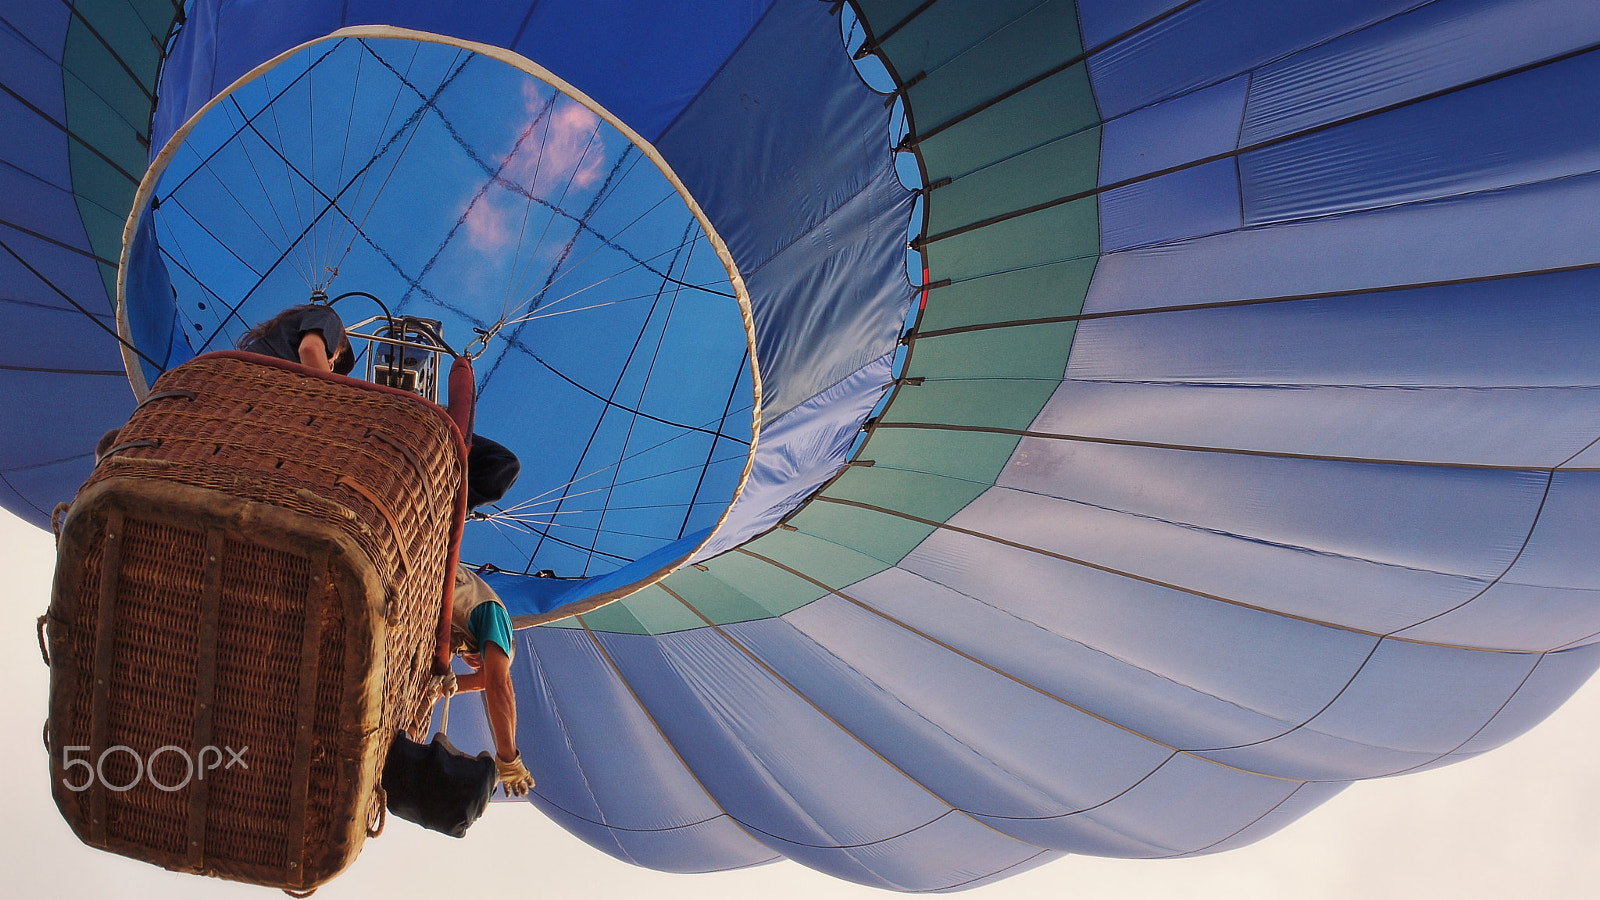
562,157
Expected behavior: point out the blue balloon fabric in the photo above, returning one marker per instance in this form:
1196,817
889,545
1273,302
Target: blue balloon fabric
1236,442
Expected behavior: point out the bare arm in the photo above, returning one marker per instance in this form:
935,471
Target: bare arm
314,351
499,698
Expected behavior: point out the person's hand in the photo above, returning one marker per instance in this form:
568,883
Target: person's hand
514,776
447,684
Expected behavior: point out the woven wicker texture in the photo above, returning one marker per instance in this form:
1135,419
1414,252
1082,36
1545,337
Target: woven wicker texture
240,555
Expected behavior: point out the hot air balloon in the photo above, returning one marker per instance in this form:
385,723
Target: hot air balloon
1227,443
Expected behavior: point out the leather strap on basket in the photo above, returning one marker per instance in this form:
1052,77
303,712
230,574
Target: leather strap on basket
131,445
383,510
179,394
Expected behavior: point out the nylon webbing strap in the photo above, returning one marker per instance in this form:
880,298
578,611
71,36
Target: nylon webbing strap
383,510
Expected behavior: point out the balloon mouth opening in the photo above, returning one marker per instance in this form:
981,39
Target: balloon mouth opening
466,186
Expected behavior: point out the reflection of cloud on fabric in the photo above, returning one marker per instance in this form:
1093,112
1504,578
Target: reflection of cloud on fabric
561,154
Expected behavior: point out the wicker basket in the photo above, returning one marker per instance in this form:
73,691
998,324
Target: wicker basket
257,567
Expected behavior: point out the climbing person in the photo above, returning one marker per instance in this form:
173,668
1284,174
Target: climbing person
480,632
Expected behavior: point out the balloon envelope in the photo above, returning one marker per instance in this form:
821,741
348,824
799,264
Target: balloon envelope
1241,447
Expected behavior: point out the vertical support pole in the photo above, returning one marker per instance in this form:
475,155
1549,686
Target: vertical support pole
105,637
306,713
205,690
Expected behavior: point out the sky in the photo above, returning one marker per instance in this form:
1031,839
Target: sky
1519,821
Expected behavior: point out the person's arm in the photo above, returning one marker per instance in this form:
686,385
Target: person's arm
500,702
314,352
499,698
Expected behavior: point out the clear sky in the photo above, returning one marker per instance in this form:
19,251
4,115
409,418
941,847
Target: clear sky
1518,822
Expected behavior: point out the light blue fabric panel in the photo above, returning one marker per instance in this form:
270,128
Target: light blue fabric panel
1517,332
832,263
979,740
1517,230
1587,458
1163,663
1474,139
1184,204
684,681
1555,554
844,278
1550,596
798,452
1306,798
1410,704
1346,591
1106,20
1479,426
1211,41
593,747
1191,804
1466,522
1174,133
1435,47
785,771
1554,679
